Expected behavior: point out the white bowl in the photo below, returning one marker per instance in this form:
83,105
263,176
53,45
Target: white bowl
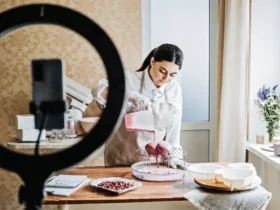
241,165
134,183
88,123
203,170
247,166
237,178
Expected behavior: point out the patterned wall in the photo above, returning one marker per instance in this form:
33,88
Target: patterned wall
121,19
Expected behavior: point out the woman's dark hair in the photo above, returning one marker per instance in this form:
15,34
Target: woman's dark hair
165,52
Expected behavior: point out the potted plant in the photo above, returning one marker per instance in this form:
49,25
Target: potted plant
268,102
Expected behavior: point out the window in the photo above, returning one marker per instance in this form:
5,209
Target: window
185,23
192,25
265,53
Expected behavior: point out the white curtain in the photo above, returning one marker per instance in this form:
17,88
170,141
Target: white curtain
234,81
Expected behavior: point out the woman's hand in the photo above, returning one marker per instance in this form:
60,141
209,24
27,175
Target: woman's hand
137,102
175,163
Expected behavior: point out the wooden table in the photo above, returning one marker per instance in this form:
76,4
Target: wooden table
150,191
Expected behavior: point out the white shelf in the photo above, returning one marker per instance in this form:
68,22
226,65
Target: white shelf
268,157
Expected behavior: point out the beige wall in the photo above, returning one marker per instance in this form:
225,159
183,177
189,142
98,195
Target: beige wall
121,19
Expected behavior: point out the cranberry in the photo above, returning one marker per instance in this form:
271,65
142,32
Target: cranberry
115,185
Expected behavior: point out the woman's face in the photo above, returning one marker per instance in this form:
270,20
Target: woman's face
162,72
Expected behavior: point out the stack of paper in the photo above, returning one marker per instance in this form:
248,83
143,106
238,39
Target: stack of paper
65,185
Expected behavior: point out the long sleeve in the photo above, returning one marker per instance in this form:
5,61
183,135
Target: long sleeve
174,130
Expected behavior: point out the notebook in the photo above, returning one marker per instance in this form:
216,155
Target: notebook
65,181
65,191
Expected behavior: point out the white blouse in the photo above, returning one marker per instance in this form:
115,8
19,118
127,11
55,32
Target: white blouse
171,92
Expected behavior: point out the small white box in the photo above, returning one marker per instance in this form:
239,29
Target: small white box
25,121
31,134
237,178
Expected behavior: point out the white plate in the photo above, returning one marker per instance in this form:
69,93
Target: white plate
203,170
96,182
268,148
257,181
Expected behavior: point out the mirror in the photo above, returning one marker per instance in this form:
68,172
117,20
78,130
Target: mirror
83,68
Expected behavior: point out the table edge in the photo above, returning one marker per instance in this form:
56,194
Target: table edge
60,202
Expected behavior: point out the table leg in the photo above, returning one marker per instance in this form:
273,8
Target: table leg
63,207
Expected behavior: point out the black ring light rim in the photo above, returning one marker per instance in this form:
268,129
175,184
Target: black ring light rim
53,14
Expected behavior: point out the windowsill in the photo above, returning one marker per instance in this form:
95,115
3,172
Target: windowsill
267,156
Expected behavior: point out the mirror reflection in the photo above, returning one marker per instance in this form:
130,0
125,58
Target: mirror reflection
83,70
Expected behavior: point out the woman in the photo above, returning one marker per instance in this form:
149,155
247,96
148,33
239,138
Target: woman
152,86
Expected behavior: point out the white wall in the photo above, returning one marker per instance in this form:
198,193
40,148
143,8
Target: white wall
265,53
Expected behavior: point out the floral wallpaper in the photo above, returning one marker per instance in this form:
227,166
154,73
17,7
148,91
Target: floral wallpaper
121,19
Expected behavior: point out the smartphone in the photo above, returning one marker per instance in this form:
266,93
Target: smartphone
48,85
